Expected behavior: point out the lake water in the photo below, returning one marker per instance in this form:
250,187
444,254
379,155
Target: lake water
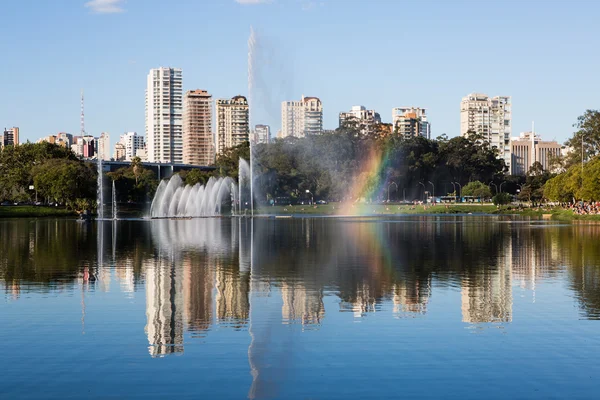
303,308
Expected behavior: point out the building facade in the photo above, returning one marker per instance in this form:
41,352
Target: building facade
359,114
411,121
119,151
302,118
132,145
103,146
164,109
198,142
528,149
232,123
490,117
262,134
10,137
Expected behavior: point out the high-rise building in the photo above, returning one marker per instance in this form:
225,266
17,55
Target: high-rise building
359,114
302,118
103,150
232,123
164,108
77,146
490,117
132,143
62,139
262,134
120,151
529,148
90,148
198,142
411,121
10,137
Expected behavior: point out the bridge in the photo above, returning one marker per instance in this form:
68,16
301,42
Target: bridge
162,170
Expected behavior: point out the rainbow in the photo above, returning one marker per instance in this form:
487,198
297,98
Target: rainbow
369,183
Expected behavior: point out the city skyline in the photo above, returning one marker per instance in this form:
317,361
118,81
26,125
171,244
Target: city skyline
439,81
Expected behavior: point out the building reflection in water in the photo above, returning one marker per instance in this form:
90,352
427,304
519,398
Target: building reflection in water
164,308
200,273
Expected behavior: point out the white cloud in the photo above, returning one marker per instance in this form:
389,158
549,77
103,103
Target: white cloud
249,2
105,6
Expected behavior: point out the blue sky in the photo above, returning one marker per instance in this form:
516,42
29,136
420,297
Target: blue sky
378,53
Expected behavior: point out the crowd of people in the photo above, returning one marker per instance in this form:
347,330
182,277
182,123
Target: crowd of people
584,208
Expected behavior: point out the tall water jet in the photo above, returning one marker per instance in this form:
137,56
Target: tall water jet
100,191
251,45
245,185
114,201
174,199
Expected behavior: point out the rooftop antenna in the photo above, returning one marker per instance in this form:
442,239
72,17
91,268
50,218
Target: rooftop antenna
82,116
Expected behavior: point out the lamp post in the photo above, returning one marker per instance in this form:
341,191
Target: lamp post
459,189
393,183
495,186
424,189
433,190
454,190
312,200
501,186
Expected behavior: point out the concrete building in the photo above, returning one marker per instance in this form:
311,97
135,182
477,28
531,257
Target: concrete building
232,123
490,117
262,134
164,109
133,143
359,114
62,139
411,121
302,118
10,137
120,152
103,150
77,146
198,142
529,148
89,146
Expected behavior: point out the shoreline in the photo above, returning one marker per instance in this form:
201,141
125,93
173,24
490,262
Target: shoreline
335,210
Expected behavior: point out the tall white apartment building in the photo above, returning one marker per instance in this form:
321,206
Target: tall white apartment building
301,118
232,123
164,109
132,144
411,121
104,146
490,117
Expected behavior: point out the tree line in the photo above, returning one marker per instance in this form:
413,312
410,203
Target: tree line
349,163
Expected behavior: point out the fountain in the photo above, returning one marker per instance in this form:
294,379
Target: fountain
244,186
174,199
114,201
100,191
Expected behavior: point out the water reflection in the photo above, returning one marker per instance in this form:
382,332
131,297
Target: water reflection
211,272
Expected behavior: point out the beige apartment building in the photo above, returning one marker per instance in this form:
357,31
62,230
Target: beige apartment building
232,119
198,144
302,118
529,148
490,117
411,121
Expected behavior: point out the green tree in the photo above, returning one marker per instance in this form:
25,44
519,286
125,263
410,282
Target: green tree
501,199
477,189
65,181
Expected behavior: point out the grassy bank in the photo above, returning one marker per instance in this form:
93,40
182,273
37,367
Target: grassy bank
33,212
394,209
378,209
